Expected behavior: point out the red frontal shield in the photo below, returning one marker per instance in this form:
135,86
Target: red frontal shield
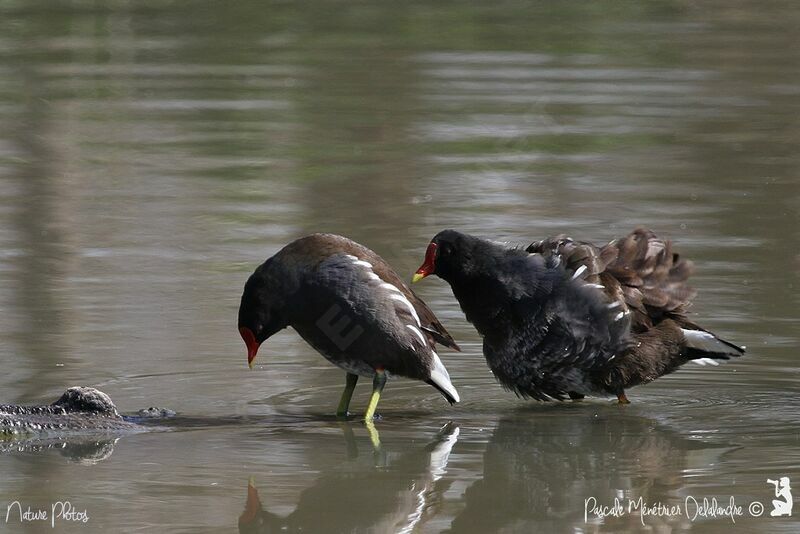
252,345
428,266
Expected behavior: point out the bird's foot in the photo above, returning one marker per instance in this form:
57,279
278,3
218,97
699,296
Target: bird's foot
622,399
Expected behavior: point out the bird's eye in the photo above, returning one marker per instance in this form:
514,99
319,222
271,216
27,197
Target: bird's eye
445,249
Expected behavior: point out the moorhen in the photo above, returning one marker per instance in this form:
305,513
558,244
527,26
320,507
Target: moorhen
348,304
566,318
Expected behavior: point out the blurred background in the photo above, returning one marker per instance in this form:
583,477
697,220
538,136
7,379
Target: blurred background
153,153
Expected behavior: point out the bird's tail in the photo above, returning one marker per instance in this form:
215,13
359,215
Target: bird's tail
705,348
440,379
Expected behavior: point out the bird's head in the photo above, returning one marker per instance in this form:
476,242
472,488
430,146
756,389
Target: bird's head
261,312
449,254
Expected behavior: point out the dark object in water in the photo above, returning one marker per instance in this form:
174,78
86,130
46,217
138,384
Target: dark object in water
82,425
349,304
80,410
566,318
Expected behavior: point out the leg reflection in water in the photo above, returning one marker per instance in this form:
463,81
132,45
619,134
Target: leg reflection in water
397,493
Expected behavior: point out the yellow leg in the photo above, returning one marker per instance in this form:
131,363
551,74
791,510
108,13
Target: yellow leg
377,387
347,394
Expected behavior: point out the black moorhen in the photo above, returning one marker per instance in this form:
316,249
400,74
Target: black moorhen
349,304
566,318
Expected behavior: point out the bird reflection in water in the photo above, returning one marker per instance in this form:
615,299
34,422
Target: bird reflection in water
538,472
396,492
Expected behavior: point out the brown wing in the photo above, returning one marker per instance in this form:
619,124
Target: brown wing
430,323
652,277
576,254
639,271
328,243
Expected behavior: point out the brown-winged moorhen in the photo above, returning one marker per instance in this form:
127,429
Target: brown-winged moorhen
566,318
349,304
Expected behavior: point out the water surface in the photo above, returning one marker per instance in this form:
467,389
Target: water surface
152,154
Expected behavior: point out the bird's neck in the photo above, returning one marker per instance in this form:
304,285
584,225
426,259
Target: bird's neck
503,292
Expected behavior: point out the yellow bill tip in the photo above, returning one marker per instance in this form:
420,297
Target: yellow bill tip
417,277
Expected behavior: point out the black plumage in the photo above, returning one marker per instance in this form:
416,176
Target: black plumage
566,318
348,304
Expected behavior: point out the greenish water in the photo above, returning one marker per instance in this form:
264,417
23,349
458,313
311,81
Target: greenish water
153,153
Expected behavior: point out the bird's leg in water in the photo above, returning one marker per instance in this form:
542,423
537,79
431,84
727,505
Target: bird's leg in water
347,394
622,399
349,439
374,437
377,387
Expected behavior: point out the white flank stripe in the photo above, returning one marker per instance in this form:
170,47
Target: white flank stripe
613,305
619,316
441,377
404,300
365,264
390,287
596,286
579,272
418,332
356,261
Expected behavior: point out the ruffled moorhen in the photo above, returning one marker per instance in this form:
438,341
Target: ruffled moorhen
566,318
349,304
